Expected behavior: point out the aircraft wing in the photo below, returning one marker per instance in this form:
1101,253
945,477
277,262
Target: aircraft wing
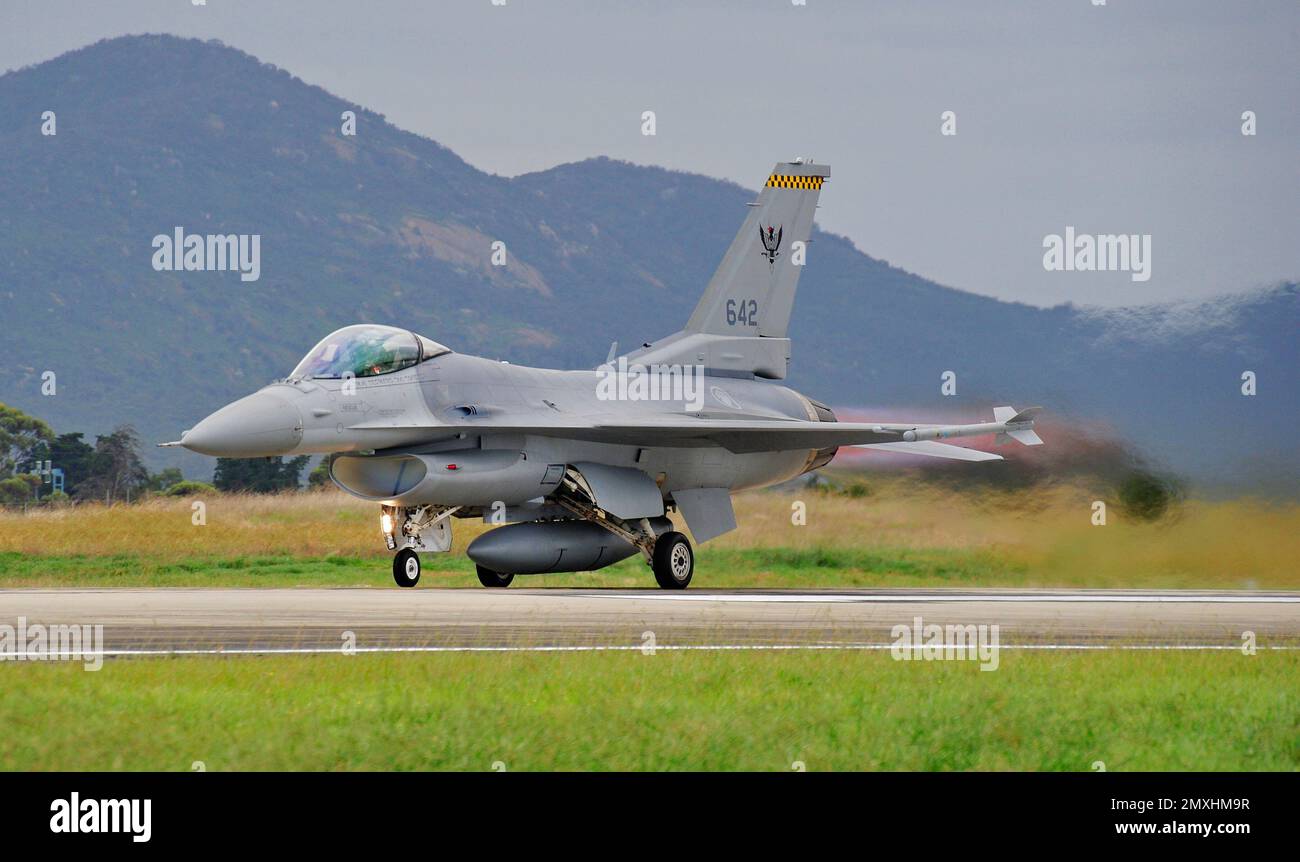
767,435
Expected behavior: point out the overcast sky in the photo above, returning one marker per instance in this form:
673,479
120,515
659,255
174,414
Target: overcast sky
1121,118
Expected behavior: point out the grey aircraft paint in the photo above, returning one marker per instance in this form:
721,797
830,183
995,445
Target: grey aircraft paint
580,466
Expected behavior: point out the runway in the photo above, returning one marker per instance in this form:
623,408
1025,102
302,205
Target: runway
180,621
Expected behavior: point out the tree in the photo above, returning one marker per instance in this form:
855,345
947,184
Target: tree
189,488
1146,495
159,482
17,490
20,434
319,478
72,455
259,475
116,468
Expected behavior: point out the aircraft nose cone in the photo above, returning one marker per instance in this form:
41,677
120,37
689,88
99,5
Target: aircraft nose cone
258,425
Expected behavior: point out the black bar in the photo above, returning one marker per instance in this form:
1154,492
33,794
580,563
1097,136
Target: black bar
329,811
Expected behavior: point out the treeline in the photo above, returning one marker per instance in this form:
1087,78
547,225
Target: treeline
111,470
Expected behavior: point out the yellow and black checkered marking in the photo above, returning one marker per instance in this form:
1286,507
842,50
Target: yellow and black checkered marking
784,181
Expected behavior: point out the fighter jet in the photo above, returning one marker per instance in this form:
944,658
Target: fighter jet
579,469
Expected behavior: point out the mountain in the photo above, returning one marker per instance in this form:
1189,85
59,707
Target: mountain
156,132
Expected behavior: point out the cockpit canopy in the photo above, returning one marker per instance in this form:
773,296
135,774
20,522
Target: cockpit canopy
366,350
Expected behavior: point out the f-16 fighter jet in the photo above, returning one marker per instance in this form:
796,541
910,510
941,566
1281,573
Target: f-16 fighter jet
581,468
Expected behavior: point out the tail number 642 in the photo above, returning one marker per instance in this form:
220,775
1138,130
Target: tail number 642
742,311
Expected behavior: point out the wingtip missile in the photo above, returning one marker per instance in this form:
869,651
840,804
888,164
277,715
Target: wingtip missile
1017,425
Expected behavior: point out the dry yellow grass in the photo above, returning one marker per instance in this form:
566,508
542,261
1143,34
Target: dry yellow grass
302,524
1239,543
1046,533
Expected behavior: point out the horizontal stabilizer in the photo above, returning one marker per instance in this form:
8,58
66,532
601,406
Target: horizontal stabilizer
932,449
1026,437
1026,415
1011,419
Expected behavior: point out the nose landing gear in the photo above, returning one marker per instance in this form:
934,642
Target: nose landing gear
406,568
415,528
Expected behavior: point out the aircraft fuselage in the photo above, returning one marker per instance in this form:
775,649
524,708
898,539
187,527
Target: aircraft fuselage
429,408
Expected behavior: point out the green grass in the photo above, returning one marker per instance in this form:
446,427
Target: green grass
126,570
670,711
753,568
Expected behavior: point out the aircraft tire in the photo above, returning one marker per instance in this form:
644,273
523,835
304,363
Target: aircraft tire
674,561
494,580
406,568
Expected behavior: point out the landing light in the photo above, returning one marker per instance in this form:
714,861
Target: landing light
386,524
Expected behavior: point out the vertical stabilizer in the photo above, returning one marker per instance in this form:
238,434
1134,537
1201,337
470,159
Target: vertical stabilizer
752,291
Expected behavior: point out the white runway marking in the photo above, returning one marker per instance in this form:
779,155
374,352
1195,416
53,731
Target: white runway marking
126,653
945,598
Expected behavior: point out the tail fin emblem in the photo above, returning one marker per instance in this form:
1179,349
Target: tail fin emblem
771,239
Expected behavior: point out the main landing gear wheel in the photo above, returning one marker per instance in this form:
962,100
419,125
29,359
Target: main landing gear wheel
406,568
489,578
674,561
